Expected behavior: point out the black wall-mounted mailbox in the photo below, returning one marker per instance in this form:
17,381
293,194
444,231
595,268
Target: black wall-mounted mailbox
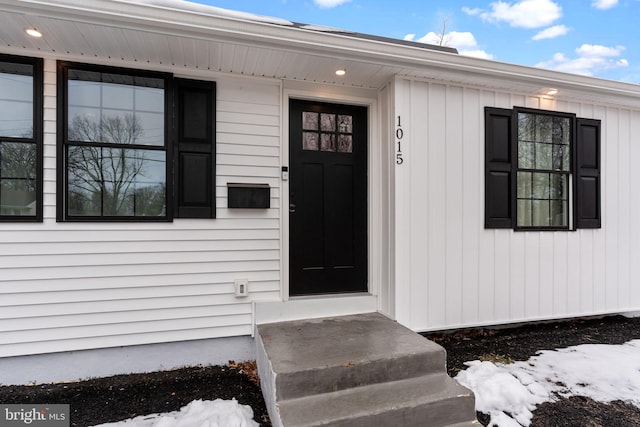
248,196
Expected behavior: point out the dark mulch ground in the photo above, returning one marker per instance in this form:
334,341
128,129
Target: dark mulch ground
124,396
116,398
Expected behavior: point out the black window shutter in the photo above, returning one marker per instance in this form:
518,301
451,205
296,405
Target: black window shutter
498,169
195,149
587,175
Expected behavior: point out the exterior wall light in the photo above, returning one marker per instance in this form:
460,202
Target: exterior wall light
341,72
33,32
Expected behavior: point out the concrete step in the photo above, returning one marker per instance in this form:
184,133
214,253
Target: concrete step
320,356
360,370
433,400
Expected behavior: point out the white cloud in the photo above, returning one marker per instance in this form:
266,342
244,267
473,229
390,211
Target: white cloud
604,4
591,60
521,14
473,12
464,42
551,32
595,50
327,4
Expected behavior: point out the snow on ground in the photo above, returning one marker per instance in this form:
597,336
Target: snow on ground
199,413
509,392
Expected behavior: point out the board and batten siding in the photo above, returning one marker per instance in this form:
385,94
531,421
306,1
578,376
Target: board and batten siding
72,286
451,271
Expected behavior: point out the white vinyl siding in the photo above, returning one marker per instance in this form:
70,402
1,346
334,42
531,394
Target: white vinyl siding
72,286
452,272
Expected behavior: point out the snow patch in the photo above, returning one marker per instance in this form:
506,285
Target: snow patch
509,393
199,413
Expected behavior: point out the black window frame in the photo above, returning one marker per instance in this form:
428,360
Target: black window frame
501,168
63,68
38,133
517,168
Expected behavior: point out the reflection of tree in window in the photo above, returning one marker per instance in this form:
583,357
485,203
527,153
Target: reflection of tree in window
110,180
18,156
18,178
334,133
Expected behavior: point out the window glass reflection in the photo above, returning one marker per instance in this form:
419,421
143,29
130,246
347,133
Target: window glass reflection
18,178
328,122
327,132
310,141
105,181
116,109
309,120
16,100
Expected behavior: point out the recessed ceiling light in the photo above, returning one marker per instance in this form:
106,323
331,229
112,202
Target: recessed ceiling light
341,72
33,32
551,91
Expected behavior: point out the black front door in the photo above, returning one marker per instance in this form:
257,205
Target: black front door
328,198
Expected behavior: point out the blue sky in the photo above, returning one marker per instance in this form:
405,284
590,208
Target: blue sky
594,37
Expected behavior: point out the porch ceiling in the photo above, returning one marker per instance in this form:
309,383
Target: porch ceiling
152,41
163,33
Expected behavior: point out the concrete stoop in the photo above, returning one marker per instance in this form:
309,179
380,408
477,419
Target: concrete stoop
356,371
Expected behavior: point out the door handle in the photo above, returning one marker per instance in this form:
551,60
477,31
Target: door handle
292,207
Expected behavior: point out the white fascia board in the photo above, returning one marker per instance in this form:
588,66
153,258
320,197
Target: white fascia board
160,16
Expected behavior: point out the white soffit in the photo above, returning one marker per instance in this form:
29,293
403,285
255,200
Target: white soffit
178,33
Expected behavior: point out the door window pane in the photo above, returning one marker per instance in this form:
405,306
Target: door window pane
310,141
327,132
345,123
328,122
328,142
345,144
309,120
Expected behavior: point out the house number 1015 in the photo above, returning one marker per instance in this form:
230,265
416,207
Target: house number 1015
399,136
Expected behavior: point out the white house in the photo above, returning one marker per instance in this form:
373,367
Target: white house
184,172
